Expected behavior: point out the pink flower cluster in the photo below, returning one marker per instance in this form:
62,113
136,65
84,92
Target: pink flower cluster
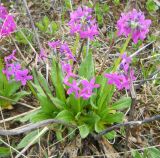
7,23
133,23
122,80
64,49
14,70
82,88
81,22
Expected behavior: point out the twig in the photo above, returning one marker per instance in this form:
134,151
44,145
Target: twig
17,116
144,81
118,153
32,23
80,51
12,147
6,135
127,124
30,127
32,141
106,56
131,112
34,29
134,54
24,104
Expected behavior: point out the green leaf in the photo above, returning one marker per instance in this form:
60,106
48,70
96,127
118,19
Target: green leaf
154,153
122,104
110,135
40,116
43,83
105,8
113,118
57,80
74,103
40,26
4,152
45,22
65,115
151,6
116,2
53,27
84,130
27,139
105,92
99,126
136,154
46,104
86,69
67,4
23,36
10,88
28,117
105,96
17,96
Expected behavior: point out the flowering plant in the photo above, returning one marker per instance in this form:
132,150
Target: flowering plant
73,91
9,90
83,97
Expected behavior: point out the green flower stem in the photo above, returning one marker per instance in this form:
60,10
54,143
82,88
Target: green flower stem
76,43
117,62
88,43
79,104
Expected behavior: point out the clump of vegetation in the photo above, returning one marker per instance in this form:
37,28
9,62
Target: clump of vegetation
70,91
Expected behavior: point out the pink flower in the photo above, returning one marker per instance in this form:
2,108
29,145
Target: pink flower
81,22
126,60
3,12
67,69
42,54
7,23
54,44
88,87
121,81
133,23
13,70
10,57
64,49
74,89
22,76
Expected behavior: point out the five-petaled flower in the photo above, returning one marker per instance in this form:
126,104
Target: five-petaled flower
88,87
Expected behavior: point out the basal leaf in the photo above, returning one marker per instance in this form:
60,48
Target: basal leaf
122,104
65,115
84,130
86,69
57,80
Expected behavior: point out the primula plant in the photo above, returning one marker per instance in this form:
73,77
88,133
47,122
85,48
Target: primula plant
11,74
81,68
9,89
75,92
